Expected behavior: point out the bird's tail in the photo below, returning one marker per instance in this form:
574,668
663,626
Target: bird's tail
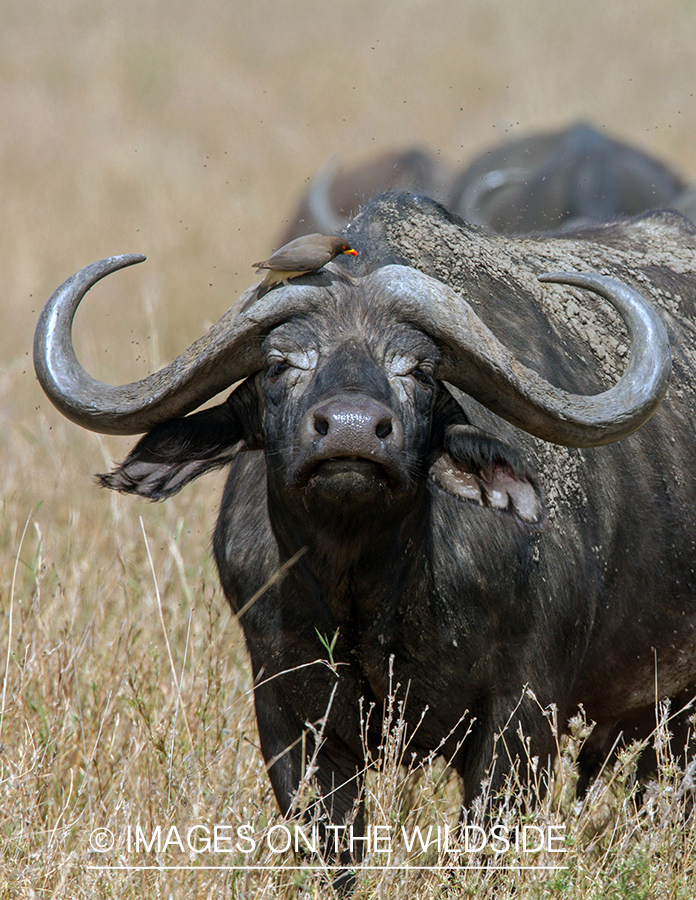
262,288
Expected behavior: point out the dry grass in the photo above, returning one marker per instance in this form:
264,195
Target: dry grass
186,131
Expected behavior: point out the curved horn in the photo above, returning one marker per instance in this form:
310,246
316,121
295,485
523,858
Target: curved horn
476,362
473,205
227,353
486,370
322,215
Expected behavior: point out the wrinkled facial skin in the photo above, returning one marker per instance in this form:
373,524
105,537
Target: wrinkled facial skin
348,417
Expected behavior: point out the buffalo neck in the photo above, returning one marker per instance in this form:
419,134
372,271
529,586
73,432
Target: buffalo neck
356,562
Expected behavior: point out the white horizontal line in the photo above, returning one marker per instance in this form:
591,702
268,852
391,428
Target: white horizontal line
327,868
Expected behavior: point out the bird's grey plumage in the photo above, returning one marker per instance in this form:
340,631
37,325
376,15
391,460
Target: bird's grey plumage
308,253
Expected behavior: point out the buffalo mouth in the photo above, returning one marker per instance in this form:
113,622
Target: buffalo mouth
347,479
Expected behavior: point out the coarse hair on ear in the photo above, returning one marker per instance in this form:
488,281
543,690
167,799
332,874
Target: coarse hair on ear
176,452
481,469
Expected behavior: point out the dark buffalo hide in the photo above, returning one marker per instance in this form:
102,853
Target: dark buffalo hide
481,574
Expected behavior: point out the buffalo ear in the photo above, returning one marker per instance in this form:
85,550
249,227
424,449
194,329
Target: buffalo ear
176,452
479,468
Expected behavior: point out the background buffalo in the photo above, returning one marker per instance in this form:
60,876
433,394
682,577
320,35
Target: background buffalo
536,182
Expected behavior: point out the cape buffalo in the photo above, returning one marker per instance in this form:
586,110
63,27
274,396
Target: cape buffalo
389,445
336,194
542,181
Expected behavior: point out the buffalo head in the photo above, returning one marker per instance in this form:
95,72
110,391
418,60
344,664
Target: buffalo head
345,393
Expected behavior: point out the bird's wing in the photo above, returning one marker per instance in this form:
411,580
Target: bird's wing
310,258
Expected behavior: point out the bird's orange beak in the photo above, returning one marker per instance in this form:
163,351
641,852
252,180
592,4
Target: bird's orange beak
350,252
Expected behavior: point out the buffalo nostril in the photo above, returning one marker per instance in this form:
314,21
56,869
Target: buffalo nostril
383,429
321,424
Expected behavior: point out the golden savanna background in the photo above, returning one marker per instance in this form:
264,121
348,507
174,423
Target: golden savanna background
187,131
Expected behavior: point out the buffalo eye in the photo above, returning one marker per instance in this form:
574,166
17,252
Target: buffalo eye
276,368
424,375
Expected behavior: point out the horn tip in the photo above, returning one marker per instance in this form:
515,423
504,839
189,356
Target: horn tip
130,259
556,277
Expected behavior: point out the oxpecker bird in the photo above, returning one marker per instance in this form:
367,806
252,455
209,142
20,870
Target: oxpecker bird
305,254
